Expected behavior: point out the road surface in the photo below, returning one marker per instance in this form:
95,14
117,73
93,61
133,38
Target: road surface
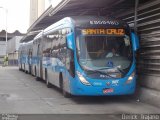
20,93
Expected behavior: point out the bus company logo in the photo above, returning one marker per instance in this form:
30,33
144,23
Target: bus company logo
108,83
115,82
109,22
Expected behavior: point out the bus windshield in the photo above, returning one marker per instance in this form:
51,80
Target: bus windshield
97,52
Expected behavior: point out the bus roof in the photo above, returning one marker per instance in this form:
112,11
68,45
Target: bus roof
38,36
84,21
87,21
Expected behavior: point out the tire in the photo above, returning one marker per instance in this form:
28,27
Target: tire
24,68
30,69
49,85
65,94
19,69
37,78
35,72
26,71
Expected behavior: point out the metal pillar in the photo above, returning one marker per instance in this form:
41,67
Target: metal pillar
135,15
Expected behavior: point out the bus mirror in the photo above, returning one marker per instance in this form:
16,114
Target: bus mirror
135,41
70,38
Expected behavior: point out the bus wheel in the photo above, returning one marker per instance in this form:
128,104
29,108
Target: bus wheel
35,72
49,85
30,68
26,71
37,78
24,68
19,69
65,94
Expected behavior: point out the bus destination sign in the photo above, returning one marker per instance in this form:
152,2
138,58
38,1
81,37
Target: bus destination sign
112,31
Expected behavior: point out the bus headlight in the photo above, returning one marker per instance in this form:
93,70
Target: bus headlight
130,78
82,79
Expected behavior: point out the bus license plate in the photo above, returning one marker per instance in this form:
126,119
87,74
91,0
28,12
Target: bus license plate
108,90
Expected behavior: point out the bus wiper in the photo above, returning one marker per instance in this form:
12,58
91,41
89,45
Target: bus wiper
120,70
101,72
104,68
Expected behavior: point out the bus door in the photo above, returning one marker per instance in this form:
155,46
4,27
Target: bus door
39,66
20,59
30,61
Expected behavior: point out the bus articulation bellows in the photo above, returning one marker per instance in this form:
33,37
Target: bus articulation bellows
84,55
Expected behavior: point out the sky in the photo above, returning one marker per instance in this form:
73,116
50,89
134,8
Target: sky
17,15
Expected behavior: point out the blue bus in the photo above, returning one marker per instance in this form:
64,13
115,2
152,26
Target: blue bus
21,56
25,56
86,55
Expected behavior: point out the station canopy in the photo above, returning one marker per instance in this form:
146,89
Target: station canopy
66,8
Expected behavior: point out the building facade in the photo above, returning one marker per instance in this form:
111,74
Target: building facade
2,51
12,50
37,7
3,42
148,56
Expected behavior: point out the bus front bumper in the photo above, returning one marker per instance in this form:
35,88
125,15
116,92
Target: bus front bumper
104,90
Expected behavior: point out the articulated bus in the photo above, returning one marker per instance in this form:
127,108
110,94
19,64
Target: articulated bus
84,55
25,56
